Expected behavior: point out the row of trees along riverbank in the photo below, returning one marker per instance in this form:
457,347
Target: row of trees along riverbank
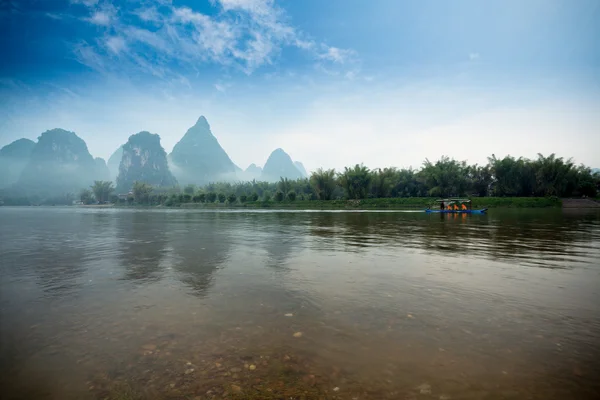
546,177
505,178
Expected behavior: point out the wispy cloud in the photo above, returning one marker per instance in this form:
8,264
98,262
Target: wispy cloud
245,35
473,56
116,44
337,55
88,3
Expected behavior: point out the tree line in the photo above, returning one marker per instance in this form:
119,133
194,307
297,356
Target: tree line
446,177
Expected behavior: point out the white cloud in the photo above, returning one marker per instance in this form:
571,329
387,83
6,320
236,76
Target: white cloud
100,18
473,56
116,44
246,35
149,14
337,55
88,3
54,16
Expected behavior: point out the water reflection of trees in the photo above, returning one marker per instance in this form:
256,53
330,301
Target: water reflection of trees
538,238
142,244
57,252
201,244
284,234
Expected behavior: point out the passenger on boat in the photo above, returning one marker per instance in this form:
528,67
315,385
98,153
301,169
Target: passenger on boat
463,207
442,205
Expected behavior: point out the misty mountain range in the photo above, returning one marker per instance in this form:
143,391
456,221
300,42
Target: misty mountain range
60,162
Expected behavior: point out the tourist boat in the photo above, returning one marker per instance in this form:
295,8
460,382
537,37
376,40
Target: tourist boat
455,206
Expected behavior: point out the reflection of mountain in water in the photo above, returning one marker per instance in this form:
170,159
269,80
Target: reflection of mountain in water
58,255
544,239
280,240
143,244
201,243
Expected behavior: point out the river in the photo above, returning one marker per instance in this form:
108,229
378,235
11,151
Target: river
191,304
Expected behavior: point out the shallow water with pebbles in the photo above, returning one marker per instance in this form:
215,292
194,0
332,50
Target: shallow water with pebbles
189,304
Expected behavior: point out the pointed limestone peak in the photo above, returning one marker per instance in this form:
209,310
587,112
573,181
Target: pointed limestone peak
202,123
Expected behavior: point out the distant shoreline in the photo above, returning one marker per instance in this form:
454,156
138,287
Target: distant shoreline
414,203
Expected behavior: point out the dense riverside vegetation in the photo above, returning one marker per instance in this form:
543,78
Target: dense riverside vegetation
508,177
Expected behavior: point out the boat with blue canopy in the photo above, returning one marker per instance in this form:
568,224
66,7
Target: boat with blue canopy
454,206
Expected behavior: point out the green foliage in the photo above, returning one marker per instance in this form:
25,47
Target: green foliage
86,196
279,196
199,198
446,177
544,178
323,182
211,197
141,192
102,191
356,181
189,189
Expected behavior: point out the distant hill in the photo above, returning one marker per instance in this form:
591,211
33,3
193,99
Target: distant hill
13,159
59,163
102,171
113,163
279,165
144,160
198,157
595,170
301,168
252,172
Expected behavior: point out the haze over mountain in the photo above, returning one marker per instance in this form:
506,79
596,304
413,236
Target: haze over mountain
114,162
144,160
198,158
279,165
102,171
301,168
59,163
251,173
13,159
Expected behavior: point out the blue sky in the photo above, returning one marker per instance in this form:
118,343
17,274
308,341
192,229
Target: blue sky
334,83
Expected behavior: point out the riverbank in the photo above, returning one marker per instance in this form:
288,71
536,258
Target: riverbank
410,203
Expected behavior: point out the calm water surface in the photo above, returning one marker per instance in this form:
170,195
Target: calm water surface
186,304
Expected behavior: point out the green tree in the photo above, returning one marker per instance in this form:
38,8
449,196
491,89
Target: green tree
284,185
356,181
323,183
141,192
102,190
445,177
481,179
189,189
243,198
279,196
221,197
291,196
211,197
86,196
231,198
254,196
383,182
